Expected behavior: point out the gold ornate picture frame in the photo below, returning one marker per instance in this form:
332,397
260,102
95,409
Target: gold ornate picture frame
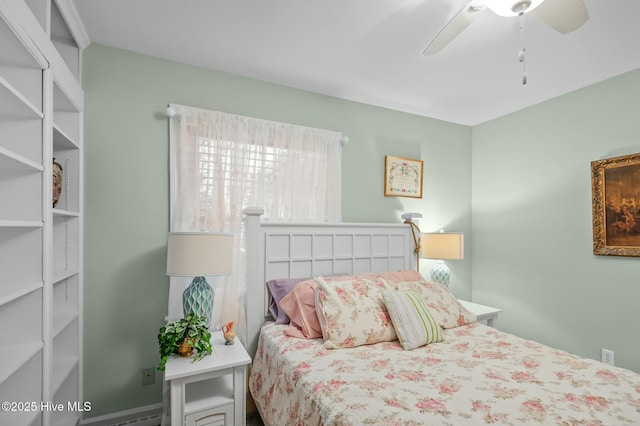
615,188
402,177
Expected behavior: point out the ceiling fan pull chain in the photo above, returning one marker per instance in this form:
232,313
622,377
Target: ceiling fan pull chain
521,54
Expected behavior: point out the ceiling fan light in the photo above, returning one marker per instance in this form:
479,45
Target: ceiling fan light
512,7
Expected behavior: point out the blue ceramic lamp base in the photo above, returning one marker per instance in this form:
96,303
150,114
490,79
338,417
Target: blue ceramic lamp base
441,273
198,299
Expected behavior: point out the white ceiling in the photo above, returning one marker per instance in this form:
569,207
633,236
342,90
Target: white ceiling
370,51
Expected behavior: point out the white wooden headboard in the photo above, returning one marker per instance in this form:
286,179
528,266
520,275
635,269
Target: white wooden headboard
297,250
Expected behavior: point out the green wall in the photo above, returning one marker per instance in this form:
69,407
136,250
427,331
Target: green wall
530,252
127,194
532,225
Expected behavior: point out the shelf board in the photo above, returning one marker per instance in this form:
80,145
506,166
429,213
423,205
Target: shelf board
15,356
62,140
11,160
21,224
61,102
17,50
33,417
65,213
61,276
14,104
209,393
17,290
62,368
62,320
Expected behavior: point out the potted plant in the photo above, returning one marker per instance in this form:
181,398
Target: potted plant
182,336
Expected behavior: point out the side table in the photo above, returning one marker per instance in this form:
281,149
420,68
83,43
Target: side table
484,314
212,390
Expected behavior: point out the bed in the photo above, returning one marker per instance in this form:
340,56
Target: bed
351,369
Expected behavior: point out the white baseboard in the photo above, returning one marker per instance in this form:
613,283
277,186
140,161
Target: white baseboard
148,415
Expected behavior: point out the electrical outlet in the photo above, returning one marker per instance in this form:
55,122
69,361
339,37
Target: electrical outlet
608,357
148,376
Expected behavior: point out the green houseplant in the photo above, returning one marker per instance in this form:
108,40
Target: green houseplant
191,331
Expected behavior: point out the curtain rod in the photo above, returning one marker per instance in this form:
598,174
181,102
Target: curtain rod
173,112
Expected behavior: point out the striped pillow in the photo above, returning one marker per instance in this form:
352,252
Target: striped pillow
414,324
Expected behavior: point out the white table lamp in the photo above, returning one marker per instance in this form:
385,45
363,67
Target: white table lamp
442,246
199,254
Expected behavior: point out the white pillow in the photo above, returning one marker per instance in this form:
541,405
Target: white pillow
414,324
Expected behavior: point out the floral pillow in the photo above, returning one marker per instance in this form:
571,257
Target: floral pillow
352,312
441,302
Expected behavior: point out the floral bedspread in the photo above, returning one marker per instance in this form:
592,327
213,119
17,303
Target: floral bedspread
478,375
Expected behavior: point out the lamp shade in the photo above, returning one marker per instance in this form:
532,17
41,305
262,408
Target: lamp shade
199,254
442,245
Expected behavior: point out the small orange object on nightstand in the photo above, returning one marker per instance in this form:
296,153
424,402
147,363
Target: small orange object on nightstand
228,333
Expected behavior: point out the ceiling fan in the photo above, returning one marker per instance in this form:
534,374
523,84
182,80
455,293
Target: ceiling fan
563,16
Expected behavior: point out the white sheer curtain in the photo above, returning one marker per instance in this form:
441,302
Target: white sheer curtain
222,163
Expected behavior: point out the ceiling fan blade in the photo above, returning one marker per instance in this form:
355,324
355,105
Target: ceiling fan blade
563,16
453,28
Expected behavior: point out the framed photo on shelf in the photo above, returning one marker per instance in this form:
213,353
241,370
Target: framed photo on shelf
615,188
402,177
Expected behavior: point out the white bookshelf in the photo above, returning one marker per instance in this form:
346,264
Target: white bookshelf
41,105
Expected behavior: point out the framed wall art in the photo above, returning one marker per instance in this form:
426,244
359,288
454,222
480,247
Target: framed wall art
615,187
402,177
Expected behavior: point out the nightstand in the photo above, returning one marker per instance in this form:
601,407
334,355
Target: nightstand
484,314
210,391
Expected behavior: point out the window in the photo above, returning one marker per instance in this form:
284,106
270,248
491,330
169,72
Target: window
223,163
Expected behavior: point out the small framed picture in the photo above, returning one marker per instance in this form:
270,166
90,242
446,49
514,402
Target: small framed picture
402,177
615,188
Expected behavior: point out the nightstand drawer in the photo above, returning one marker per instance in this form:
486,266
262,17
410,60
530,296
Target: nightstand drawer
219,416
